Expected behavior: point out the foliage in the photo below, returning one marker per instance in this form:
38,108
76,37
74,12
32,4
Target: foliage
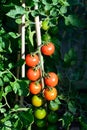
67,30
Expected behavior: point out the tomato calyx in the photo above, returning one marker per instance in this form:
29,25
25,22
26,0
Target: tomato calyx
46,75
51,79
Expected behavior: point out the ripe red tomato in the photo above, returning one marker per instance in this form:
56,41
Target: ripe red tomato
50,94
48,49
51,80
35,87
31,60
33,75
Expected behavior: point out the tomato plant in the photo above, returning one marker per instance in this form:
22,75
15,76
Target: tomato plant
59,20
50,94
48,49
51,79
35,87
37,101
33,74
40,113
31,60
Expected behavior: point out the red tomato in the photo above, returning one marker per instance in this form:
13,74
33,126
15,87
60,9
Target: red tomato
35,87
50,94
48,49
51,80
31,60
33,75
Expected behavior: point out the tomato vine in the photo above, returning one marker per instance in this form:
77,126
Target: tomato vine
62,94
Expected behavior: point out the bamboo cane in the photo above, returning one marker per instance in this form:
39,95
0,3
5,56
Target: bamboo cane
38,36
23,47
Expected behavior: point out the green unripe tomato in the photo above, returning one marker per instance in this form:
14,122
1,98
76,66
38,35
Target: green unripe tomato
40,122
45,24
54,106
40,113
52,117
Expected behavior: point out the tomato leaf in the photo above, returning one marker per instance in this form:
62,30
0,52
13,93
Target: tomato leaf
63,9
31,34
71,107
20,87
14,35
17,12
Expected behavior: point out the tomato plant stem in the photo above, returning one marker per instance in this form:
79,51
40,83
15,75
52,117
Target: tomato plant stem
38,35
6,101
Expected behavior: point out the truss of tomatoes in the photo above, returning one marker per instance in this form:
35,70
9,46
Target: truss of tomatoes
39,94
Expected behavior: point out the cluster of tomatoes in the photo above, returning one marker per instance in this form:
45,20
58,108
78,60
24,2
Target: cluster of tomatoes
40,95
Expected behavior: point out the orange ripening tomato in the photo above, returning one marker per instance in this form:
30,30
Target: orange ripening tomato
33,75
50,94
48,49
51,79
32,60
35,87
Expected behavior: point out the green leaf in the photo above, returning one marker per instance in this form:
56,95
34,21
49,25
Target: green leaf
83,123
8,89
6,79
1,82
57,101
20,87
66,58
17,12
74,21
55,2
18,21
47,7
44,2
31,35
63,2
18,124
2,110
2,44
66,120
27,117
1,93
20,62
14,35
1,105
71,107
53,12
63,9
8,123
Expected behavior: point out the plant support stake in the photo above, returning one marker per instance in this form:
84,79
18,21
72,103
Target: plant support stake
38,36
23,40
23,47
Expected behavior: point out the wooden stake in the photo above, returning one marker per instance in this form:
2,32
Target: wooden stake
38,36
23,40
23,48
